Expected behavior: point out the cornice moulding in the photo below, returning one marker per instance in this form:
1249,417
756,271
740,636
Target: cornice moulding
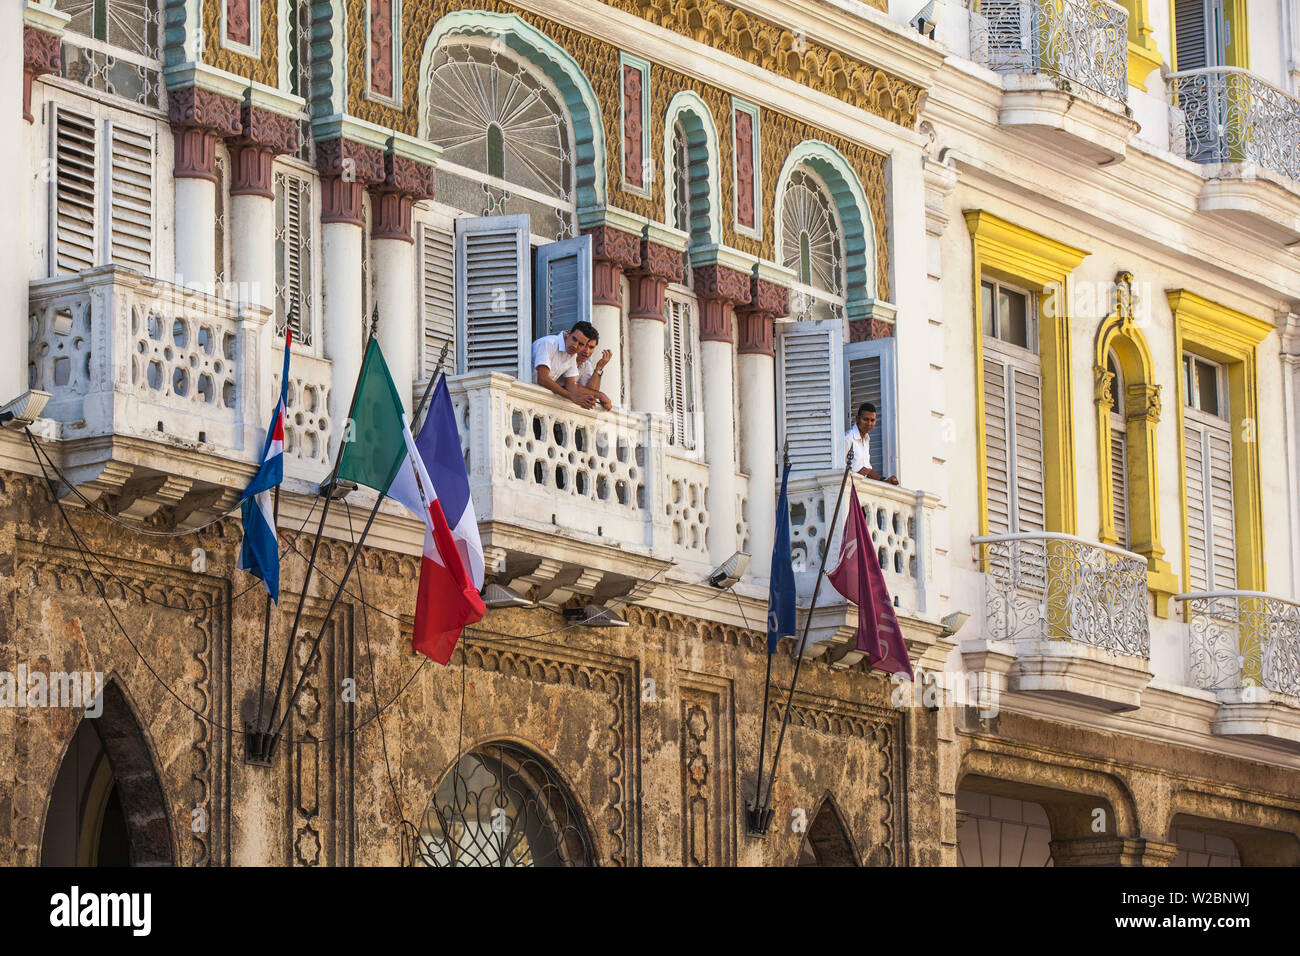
45,19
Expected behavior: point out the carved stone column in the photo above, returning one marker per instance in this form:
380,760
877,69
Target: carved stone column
757,413
392,247
614,253
199,119
660,265
720,290
346,167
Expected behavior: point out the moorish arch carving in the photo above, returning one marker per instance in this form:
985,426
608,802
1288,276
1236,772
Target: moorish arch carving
501,804
692,166
825,232
496,91
827,842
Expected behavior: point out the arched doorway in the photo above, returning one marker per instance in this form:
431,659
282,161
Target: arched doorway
827,843
106,807
503,806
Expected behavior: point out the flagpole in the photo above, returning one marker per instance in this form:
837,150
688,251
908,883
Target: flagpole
347,572
758,820
764,814
311,561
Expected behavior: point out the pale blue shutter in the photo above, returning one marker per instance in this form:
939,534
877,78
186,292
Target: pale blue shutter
493,295
869,377
562,291
811,393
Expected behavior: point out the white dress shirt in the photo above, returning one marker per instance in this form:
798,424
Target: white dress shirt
551,351
860,447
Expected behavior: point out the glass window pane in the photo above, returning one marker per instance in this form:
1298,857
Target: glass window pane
986,308
1012,308
1188,390
1207,383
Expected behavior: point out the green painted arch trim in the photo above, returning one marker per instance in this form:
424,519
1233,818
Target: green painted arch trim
555,63
705,164
855,217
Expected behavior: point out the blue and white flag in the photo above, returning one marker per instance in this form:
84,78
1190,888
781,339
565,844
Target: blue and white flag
260,553
780,595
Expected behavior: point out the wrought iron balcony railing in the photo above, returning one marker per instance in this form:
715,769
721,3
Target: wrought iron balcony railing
1061,587
1228,115
1243,639
1082,41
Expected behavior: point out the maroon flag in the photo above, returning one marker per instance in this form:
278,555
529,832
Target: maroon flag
859,578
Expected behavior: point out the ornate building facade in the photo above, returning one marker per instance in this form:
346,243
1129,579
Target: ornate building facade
1052,242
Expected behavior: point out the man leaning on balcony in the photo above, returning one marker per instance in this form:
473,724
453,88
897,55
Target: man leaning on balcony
562,363
858,439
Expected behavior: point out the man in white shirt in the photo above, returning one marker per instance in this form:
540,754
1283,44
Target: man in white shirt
562,363
858,440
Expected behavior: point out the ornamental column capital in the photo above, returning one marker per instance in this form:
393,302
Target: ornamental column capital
42,53
406,181
263,135
346,168
720,290
199,118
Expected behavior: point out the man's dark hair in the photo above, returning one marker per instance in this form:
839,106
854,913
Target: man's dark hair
587,329
866,407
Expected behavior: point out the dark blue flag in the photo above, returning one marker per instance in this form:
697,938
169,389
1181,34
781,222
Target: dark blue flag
780,595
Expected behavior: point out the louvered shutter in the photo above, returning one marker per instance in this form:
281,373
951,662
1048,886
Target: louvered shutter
131,198
493,290
437,295
1119,484
1198,542
74,192
1027,422
562,292
1223,527
997,460
869,377
811,389
1191,33
293,255
679,373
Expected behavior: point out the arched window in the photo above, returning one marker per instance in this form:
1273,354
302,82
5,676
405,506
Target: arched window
502,806
507,145
133,30
812,246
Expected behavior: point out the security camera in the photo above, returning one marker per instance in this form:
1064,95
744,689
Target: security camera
730,571
24,410
927,18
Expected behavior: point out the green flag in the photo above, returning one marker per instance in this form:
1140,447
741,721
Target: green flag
374,445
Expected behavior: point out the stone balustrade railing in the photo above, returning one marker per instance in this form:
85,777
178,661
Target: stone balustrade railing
124,354
1045,586
1243,639
307,425
900,521
1229,115
1084,42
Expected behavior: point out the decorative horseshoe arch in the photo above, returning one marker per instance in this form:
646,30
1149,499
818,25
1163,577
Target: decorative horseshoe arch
704,163
855,218
560,69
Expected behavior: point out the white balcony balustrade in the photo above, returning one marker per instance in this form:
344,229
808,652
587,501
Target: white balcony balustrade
1083,42
125,355
1230,115
307,426
1243,639
1064,616
900,521
1245,647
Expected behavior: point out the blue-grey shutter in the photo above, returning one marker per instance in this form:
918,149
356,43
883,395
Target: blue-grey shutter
493,295
562,291
811,392
869,377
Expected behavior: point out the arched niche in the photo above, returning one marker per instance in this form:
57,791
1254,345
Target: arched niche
826,842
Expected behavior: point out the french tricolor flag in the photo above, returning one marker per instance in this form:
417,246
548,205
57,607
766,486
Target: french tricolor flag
260,553
433,484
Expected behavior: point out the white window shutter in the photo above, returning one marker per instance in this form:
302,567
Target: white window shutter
869,377
1027,419
1119,484
562,295
1222,523
131,198
75,209
810,387
493,295
293,255
997,460
679,372
437,295
1191,33
1198,542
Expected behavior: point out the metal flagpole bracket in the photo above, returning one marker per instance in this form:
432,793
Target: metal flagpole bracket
759,820
259,746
